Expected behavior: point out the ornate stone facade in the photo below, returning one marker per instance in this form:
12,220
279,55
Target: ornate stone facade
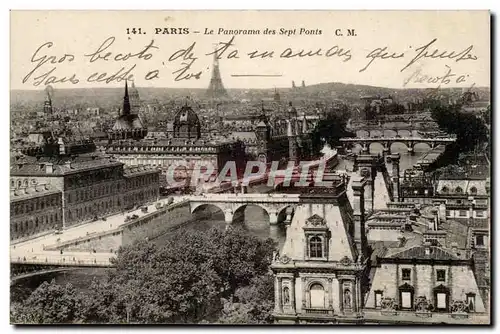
318,273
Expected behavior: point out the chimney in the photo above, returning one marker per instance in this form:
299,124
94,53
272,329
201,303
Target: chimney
402,241
454,246
395,158
68,164
428,249
289,130
49,169
358,187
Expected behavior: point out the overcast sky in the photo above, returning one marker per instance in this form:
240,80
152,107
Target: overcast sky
80,33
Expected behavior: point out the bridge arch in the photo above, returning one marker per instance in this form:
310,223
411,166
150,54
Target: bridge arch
363,133
404,133
243,206
379,145
239,210
376,133
390,133
197,207
426,145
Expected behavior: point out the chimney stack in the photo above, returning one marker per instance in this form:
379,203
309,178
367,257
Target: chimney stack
49,168
395,158
427,248
358,187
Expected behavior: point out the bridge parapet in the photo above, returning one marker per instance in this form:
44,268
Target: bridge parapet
61,261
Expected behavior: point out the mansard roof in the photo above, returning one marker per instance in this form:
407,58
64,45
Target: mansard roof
435,253
38,166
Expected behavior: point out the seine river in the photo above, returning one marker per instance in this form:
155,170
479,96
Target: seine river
255,220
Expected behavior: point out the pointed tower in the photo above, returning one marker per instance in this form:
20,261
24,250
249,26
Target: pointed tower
277,97
303,84
126,101
47,106
135,100
292,143
216,89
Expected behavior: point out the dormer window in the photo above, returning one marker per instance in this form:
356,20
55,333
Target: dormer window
473,190
444,189
458,190
316,236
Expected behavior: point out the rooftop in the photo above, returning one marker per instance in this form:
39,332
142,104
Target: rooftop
58,166
139,169
31,192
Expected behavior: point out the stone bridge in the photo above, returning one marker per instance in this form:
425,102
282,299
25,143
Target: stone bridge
386,142
27,267
230,204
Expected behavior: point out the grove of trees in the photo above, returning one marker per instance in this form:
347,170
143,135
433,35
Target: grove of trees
330,130
196,277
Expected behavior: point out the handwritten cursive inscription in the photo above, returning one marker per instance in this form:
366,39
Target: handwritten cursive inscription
446,78
46,61
102,52
40,58
381,53
426,51
187,58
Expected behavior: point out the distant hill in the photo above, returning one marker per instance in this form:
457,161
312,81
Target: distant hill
109,97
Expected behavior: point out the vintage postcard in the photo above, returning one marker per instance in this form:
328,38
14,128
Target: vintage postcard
250,167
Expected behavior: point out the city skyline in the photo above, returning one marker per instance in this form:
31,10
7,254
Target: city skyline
376,30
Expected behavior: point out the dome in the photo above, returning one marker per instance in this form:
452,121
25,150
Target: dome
187,123
186,115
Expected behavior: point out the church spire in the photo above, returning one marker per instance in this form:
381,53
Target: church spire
126,101
47,106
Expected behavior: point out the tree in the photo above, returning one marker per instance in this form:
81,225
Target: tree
50,303
469,129
183,281
252,304
329,131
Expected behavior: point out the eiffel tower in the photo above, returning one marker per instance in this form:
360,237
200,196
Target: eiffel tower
216,89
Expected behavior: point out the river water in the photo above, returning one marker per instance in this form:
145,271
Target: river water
254,219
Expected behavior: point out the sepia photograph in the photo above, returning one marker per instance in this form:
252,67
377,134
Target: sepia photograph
250,167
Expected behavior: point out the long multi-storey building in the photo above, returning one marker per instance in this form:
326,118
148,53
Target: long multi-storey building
64,182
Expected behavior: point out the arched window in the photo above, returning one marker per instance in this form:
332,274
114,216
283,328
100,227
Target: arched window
317,296
473,190
19,183
458,190
444,189
316,247
12,184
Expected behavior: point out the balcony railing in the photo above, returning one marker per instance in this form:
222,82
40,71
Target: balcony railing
318,311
